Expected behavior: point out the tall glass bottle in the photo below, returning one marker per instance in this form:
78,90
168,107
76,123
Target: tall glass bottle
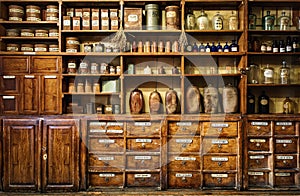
226,48
268,21
268,75
202,21
190,20
234,47
275,47
296,47
250,103
217,21
263,103
251,20
288,106
219,47
213,47
207,48
201,48
284,21
289,46
233,22
284,73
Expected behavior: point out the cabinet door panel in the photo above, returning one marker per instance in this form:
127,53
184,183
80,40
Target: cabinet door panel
9,84
30,98
46,64
21,154
50,92
9,104
14,64
60,164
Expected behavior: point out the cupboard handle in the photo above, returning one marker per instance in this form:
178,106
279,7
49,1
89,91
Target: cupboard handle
258,128
283,128
284,162
220,129
284,145
143,145
219,180
219,164
219,145
183,179
45,156
106,179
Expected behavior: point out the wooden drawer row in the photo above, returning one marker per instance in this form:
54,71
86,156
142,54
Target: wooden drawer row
265,161
281,145
266,128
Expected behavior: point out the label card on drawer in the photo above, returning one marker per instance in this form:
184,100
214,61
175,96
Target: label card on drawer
258,140
219,141
184,175
97,130
257,157
219,175
29,76
142,157
142,175
185,158
9,77
106,158
284,141
98,124
114,131
285,157
143,124
115,124
50,77
283,174
284,123
255,173
143,140
219,125
8,97
105,141
219,158
184,124
184,141
260,123
107,175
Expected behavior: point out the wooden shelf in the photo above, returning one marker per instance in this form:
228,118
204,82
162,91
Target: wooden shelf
91,75
213,75
273,85
29,38
5,53
274,54
91,94
29,22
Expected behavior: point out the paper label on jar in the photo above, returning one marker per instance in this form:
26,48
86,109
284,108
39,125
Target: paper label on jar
258,140
31,10
106,158
185,158
184,141
26,49
52,10
95,23
142,175
40,49
8,97
114,23
53,34
219,175
25,34
260,123
178,175
113,14
268,73
219,125
114,131
104,14
115,124
284,141
50,77
284,123
76,23
215,141
255,173
143,140
105,23
107,175
171,14
9,77
132,18
283,174
182,124
53,49
16,10
33,19
106,141
142,124
285,157
15,19
52,18
97,123
142,157
86,23
71,50
67,23
257,157
83,65
11,48
225,159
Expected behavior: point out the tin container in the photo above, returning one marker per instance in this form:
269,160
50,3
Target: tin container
76,23
133,18
94,68
15,12
152,16
172,17
52,8
53,33
52,16
27,47
33,17
83,67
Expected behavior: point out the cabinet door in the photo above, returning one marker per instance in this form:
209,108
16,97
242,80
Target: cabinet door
14,64
45,64
50,94
10,84
30,98
9,104
60,164
21,155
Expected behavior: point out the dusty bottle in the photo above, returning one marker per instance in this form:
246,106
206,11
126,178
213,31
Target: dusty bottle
284,73
250,103
283,21
230,99
251,20
263,103
193,100
253,75
155,103
211,99
233,22
190,20
268,21
288,106
202,21
217,21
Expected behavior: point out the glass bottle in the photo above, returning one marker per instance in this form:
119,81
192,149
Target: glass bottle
217,21
288,106
219,47
190,20
233,22
268,21
281,46
253,74
268,75
195,48
213,47
189,48
250,103
234,47
201,48
288,46
251,20
263,103
275,47
207,48
226,47
202,21
296,47
283,21
284,73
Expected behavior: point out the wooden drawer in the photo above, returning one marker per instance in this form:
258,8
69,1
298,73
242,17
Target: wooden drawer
258,179
184,179
10,84
285,179
106,162
285,161
184,144
106,179
106,128
145,145
259,161
219,163
144,128
143,179
259,128
285,128
97,144
219,145
212,180
46,64
184,128
149,162
286,145
259,144
14,64
9,104
221,129
184,162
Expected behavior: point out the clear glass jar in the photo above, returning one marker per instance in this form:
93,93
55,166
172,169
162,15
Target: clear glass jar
253,74
202,21
284,21
217,21
268,73
284,73
233,22
268,21
190,20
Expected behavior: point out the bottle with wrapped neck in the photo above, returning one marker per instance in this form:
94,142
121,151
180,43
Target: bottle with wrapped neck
263,103
202,21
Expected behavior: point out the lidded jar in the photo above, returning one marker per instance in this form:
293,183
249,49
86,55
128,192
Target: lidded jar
172,16
217,22
193,100
136,101
211,99
171,101
152,16
253,74
155,102
202,21
230,99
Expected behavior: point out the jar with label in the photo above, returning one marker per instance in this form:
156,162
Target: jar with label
288,106
72,66
175,46
53,48
53,33
268,73
96,87
253,74
172,17
118,69
12,47
202,21
80,87
152,16
211,99
27,33
154,46
234,47
104,68
26,47
160,46
83,67
147,70
168,46
94,68
112,69
140,46
88,86
284,21
41,33
72,88
12,32
217,21
131,68
230,99
40,47
15,12
147,47
233,21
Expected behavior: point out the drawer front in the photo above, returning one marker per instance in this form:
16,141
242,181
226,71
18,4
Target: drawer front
259,128
258,179
143,179
184,179
259,161
106,128
285,179
286,145
106,162
144,128
219,180
285,161
106,179
10,84
220,129
106,145
184,144
219,163
46,64
9,104
145,145
184,162
184,128
219,145
15,64
149,162
258,144
285,128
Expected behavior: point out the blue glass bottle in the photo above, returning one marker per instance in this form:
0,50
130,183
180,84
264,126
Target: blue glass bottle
201,48
234,47
226,48
219,47
195,48
207,48
213,47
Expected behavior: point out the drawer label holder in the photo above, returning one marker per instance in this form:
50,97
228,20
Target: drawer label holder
285,157
284,123
178,175
185,158
142,175
107,175
182,124
142,157
260,123
106,158
225,159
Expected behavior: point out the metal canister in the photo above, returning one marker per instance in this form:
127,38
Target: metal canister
172,16
152,16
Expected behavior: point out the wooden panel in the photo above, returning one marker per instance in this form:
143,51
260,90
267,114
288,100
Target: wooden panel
184,179
144,128
184,128
143,145
184,162
149,162
30,95
285,179
10,84
98,144
219,180
106,162
184,144
9,104
21,169
106,179
60,155
219,163
14,64
221,129
259,161
258,179
46,64
286,145
285,128
219,145
285,161
259,128
143,179
259,144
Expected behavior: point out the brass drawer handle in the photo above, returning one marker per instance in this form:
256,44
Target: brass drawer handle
183,129
183,162
258,144
284,162
184,145
220,129
284,145
257,161
258,128
219,164
183,179
219,145
144,129
106,179
219,180
143,145
106,145
283,128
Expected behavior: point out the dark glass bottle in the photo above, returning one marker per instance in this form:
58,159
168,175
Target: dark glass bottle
219,47
207,48
250,103
213,47
195,48
288,46
252,20
281,46
268,21
226,48
263,103
234,47
201,48
296,47
275,47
